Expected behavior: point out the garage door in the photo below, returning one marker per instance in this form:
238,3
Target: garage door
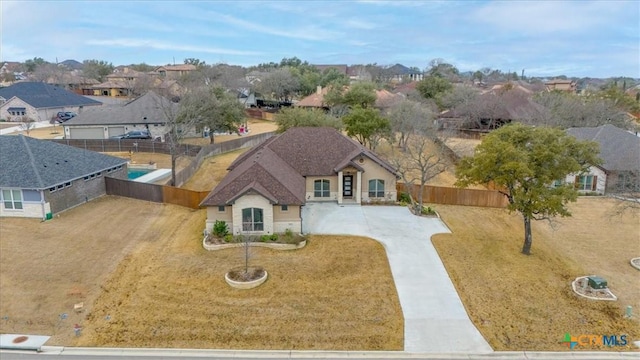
116,130
86,133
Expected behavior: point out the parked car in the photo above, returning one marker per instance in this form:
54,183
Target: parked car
135,134
65,115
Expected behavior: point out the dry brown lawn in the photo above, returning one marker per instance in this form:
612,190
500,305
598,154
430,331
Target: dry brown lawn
145,280
211,171
50,132
523,302
255,127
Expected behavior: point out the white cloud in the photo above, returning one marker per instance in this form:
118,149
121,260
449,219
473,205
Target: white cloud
159,45
309,32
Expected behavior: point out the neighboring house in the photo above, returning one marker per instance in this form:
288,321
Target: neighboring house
500,105
266,186
399,73
40,101
40,178
620,151
561,85
148,112
175,71
246,97
384,99
78,84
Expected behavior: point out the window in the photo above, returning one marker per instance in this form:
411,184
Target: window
86,178
221,208
52,189
67,184
376,188
252,219
557,183
60,187
586,182
31,196
12,199
284,208
321,188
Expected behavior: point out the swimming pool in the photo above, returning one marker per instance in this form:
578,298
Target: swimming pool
136,173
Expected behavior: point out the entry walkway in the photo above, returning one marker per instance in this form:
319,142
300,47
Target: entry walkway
435,320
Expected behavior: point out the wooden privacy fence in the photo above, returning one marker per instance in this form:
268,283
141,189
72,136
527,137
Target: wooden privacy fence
155,193
260,115
127,145
457,196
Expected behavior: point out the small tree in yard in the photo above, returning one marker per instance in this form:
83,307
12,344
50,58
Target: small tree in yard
523,162
27,124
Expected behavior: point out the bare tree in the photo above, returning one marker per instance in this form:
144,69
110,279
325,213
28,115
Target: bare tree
422,160
27,124
279,84
176,128
405,117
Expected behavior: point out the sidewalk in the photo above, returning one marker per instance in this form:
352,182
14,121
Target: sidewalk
18,127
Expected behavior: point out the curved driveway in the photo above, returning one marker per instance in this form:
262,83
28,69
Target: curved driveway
435,320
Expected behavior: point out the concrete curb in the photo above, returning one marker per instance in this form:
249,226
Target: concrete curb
296,354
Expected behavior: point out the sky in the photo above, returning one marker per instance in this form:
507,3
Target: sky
543,38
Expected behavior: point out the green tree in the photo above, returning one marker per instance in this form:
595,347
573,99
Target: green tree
523,162
212,107
366,125
194,61
97,69
295,117
362,94
32,64
433,88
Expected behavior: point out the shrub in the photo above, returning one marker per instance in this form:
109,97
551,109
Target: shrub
228,238
404,197
273,237
265,238
428,210
220,228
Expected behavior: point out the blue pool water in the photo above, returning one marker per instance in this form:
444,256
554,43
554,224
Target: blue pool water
136,173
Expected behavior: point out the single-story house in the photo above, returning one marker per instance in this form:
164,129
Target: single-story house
40,178
620,152
175,71
266,187
149,112
384,99
40,101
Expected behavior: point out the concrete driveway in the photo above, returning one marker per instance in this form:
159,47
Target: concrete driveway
435,320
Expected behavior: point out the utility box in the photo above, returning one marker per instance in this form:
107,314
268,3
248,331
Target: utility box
596,282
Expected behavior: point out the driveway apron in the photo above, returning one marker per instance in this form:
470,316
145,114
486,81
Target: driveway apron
435,320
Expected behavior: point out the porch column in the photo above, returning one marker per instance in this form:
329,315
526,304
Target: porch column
340,187
359,187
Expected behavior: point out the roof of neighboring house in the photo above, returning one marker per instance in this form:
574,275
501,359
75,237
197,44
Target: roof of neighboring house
276,168
501,103
30,163
181,67
68,79
314,100
384,99
149,108
399,69
619,149
42,95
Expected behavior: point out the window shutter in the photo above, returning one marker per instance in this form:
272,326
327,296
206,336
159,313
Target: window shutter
576,182
595,183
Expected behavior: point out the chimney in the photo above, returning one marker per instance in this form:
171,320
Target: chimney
319,90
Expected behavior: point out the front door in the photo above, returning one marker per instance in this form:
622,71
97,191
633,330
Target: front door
347,186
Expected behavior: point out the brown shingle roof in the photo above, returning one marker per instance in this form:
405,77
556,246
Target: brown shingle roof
277,167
